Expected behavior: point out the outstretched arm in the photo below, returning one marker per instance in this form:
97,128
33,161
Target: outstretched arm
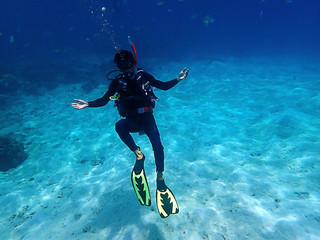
170,84
81,104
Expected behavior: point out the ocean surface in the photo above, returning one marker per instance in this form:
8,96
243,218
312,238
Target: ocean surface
241,134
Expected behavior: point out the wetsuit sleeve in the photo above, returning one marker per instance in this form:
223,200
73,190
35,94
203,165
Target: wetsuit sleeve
104,99
162,85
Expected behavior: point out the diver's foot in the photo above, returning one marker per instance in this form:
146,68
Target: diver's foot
160,182
161,185
159,176
138,166
139,154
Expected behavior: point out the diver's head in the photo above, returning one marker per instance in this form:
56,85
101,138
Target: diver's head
124,60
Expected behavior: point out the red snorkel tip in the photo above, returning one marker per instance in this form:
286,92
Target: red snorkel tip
134,50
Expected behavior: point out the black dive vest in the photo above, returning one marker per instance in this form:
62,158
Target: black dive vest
135,94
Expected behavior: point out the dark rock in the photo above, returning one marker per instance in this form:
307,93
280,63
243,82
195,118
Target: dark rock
12,152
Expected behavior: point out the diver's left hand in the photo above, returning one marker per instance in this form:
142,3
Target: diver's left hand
183,74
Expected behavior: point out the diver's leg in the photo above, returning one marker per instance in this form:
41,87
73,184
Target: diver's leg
138,178
123,130
151,130
166,201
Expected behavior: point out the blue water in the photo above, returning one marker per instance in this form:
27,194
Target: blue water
239,28
41,31
241,133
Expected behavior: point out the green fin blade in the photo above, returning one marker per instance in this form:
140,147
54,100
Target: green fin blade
141,187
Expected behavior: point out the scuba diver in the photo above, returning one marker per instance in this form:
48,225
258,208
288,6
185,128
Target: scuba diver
132,92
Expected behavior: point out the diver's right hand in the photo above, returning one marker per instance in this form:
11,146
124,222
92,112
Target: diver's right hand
79,104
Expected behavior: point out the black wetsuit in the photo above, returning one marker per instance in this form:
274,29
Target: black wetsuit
136,105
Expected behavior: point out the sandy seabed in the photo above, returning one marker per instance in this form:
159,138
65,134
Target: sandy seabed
242,152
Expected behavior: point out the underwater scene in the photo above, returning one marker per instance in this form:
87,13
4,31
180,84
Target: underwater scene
160,119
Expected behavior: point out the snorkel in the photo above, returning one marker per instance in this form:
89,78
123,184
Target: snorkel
134,50
128,74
